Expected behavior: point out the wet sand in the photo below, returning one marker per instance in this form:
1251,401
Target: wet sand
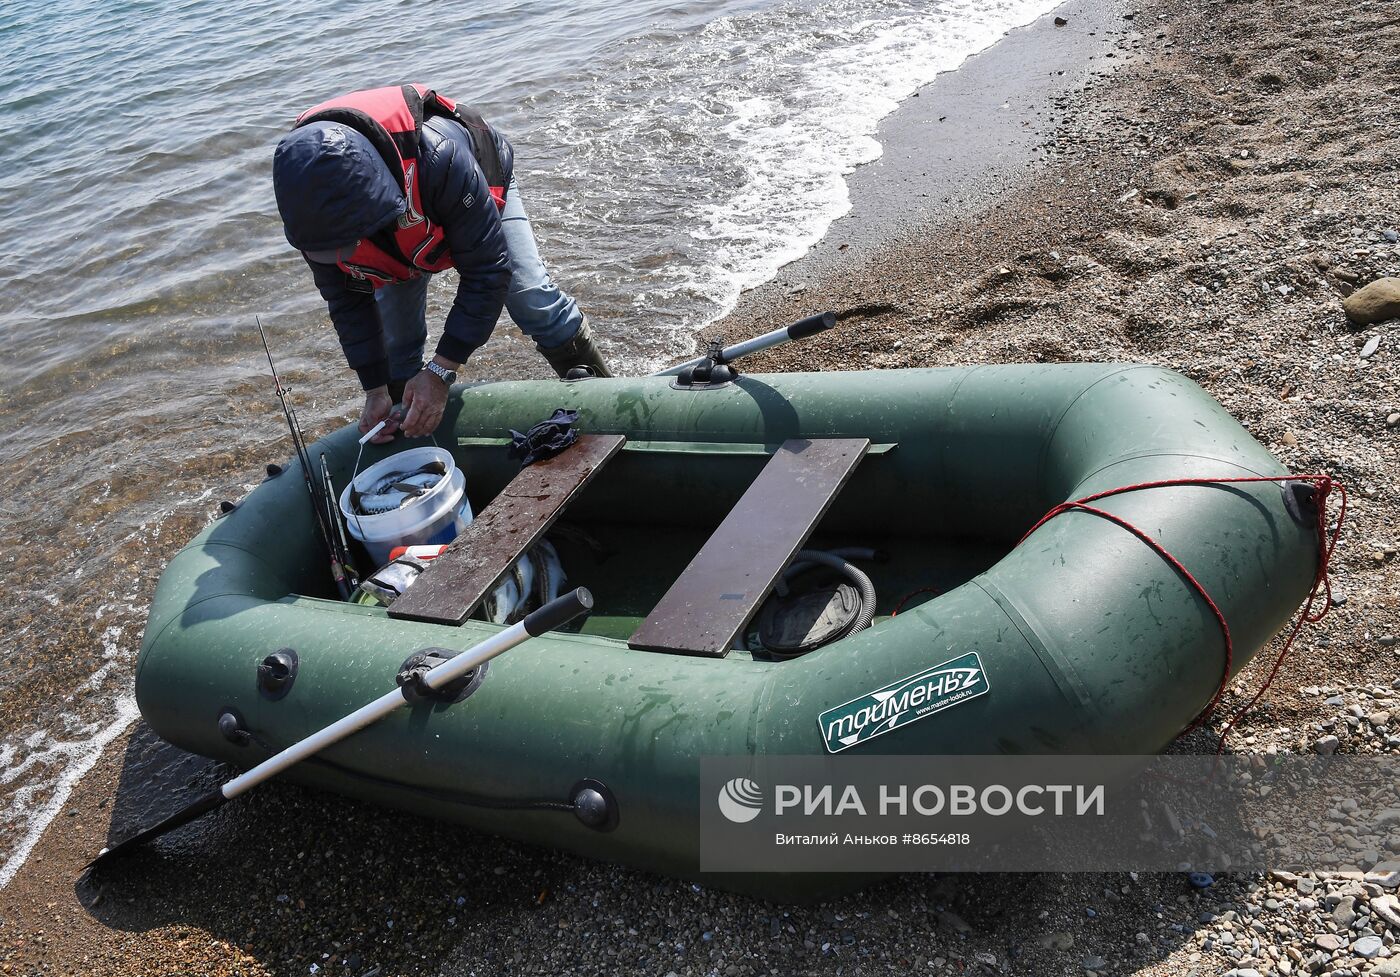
1203,207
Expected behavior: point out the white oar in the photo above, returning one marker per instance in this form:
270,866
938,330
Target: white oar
555,614
800,329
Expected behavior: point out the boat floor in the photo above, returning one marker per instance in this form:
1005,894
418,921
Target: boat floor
629,567
637,564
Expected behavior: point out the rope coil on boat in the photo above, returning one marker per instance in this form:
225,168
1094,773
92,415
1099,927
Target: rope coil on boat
1322,582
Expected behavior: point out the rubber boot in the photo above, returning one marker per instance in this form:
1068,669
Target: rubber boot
579,351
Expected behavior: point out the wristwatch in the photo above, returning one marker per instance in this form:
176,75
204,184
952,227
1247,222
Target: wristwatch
447,376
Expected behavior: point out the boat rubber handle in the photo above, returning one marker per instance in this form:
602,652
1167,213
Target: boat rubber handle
812,325
558,612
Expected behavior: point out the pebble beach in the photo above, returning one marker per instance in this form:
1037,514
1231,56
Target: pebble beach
1211,187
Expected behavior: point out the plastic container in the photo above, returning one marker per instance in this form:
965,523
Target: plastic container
430,551
437,516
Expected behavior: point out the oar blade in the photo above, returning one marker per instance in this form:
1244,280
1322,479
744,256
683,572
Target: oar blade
199,808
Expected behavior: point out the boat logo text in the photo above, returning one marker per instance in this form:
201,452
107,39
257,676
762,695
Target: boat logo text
903,702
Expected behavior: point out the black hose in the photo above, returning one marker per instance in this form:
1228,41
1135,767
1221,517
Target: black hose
839,560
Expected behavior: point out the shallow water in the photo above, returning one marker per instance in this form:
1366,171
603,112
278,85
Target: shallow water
671,155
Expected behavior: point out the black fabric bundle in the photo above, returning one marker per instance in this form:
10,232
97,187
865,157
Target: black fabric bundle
546,439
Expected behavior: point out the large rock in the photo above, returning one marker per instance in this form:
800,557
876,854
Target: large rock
1377,302
1327,745
1385,874
1367,947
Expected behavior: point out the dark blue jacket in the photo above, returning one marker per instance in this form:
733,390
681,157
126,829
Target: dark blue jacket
333,188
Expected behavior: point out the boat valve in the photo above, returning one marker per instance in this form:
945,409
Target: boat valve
595,805
277,672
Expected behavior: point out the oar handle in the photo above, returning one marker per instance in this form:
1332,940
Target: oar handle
558,612
800,329
812,325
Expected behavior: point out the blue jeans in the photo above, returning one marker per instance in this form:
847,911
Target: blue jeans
543,312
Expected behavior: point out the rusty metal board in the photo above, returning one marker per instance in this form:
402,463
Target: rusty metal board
454,584
719,591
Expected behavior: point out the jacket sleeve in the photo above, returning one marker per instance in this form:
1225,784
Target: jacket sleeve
355,316
455,196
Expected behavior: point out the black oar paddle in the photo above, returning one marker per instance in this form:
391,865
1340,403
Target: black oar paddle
555,614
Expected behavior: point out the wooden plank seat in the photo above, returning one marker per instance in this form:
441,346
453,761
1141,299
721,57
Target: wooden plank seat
709,604
455,584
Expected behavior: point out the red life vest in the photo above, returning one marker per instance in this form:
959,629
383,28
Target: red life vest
392,120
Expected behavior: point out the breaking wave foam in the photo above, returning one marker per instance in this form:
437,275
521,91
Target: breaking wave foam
73,759
732,142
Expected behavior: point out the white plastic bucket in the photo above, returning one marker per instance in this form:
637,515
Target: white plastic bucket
437,516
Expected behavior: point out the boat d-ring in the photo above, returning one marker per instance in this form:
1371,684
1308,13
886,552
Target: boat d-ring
1300,499
233,728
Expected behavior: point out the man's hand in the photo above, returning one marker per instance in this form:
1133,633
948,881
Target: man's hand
426,399
378,404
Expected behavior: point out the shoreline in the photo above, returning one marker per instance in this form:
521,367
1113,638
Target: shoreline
967,136
955,142
1095,253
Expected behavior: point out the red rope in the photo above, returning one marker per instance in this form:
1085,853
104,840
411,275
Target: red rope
1321,588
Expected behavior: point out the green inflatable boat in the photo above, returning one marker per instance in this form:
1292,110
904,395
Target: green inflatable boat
716,525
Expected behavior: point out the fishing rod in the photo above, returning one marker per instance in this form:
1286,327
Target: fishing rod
325,495
304,461
342,544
